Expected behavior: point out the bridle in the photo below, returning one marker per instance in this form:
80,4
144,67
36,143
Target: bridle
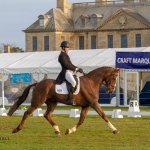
107,85
104,82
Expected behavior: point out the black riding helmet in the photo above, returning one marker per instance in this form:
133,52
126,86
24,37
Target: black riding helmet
65,44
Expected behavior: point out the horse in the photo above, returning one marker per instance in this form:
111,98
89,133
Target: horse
90,83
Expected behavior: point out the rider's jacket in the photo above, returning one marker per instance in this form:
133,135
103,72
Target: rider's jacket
66,64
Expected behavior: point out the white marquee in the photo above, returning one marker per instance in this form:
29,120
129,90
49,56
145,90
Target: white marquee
47,62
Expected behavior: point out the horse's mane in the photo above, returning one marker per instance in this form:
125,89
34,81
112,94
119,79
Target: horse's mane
97,69
93,72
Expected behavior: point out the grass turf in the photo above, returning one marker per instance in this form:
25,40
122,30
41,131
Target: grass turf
94,134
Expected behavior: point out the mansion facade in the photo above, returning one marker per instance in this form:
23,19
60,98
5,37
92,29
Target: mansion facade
91,25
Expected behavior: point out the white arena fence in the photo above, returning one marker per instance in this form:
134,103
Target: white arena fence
75,113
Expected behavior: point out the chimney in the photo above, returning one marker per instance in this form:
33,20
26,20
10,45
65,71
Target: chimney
64,5
128,1
6,48
103,1
97,1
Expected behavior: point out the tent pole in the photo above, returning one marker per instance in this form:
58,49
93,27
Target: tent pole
3,89
117,92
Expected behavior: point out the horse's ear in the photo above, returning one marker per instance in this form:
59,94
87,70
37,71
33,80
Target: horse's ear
117,69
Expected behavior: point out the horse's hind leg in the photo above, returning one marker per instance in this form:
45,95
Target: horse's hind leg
83,113
50,108
25,116
99,110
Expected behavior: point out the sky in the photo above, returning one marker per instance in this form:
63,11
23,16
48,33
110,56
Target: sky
17,15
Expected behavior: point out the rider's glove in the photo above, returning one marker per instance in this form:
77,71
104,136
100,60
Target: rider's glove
80,70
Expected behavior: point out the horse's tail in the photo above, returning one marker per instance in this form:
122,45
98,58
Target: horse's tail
21,99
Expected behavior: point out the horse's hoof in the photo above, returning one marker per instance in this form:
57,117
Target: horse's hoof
15,130
57,133
67,132
115,131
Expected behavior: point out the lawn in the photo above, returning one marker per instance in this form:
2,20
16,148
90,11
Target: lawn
94,134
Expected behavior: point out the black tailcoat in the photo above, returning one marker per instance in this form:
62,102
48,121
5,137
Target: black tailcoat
66,64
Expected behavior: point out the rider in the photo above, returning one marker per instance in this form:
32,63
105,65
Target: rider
67,70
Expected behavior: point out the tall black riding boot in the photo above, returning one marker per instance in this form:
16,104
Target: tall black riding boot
70,96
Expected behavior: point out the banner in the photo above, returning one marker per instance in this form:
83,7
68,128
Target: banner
133,60
20,78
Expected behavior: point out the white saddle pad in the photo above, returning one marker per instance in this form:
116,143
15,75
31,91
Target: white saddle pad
62,88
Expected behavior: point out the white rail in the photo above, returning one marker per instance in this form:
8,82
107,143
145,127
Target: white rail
116,113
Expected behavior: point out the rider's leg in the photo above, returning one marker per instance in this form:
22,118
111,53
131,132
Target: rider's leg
69,77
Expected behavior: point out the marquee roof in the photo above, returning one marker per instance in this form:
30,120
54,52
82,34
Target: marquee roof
47,62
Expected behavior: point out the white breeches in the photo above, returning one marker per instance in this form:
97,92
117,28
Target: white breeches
69,77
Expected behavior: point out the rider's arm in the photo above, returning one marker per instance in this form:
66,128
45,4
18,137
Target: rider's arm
68,65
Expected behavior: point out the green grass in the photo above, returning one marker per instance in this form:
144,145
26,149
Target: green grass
94,134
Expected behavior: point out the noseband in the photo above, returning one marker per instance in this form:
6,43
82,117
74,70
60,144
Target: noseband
109,77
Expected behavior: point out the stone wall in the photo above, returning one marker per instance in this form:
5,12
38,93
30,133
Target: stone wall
40,38
102,38
55,39
73,38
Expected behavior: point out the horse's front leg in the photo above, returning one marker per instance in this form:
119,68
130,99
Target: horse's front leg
99,110
83,113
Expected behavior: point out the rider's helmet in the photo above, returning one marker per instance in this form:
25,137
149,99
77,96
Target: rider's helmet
65,44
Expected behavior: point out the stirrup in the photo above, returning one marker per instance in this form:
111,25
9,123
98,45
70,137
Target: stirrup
69,102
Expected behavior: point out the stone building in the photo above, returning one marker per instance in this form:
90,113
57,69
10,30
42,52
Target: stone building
91,25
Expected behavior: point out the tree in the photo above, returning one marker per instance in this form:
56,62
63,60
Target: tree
16,50
13,48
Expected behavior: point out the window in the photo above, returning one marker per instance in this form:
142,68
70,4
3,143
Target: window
82,22
34,43
81,42
93,42
46,43
94,21
124,43
41,22
110,41
71,42
138,40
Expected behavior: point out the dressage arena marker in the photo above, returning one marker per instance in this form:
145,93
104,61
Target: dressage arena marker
74,113
116,113
37,112
2,113
134,107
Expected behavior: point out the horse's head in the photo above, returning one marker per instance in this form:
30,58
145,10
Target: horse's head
110,80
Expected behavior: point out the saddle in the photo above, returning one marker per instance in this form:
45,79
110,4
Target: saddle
69,85
64,88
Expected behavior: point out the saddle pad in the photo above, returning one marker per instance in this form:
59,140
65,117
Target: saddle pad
62,88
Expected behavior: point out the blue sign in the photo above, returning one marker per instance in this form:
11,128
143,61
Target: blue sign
21,78
133,60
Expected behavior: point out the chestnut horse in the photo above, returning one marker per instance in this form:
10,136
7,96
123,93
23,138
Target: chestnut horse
44,92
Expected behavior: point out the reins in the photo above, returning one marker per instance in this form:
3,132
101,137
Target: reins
104,83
